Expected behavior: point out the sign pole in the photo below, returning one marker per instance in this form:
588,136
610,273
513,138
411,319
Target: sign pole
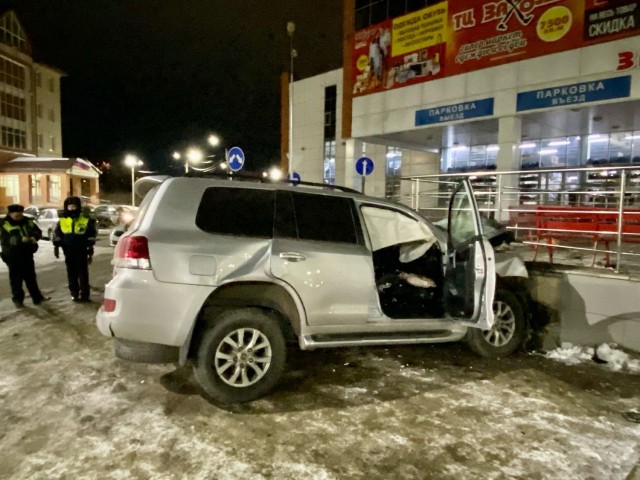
364,167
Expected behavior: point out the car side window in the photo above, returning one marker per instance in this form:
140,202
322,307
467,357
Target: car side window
243,212
325,218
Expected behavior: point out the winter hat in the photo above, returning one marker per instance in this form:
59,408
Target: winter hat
15,208
72,201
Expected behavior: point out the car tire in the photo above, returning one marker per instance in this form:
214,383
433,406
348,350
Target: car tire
226,365
50,234
142,352
508,331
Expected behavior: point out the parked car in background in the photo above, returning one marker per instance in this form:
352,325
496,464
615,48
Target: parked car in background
47,220
108,216
125,219
32,211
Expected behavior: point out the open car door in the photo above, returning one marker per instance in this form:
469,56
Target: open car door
470,277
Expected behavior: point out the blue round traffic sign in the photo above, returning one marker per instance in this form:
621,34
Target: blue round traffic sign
235,158
294,178
364,166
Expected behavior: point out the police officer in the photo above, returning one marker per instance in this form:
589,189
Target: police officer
19,238
76,234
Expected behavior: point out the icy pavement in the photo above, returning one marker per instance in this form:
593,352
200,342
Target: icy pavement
70,410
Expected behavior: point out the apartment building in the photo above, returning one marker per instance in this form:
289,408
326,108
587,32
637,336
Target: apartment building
32,168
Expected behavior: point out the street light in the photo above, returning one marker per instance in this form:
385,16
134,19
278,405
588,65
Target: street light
214,140
132,162
275,174
194,155
291,28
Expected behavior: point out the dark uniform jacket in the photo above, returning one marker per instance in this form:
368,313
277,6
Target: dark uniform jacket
75,234
11,235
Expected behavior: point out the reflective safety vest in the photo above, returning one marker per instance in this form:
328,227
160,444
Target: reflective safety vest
22,229
77,226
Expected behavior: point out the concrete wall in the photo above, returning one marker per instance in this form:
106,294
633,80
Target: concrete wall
308,126
592,307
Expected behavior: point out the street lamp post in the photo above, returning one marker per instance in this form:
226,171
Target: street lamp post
291,28
132,162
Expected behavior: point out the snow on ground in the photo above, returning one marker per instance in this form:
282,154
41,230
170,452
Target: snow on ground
607,354
70,410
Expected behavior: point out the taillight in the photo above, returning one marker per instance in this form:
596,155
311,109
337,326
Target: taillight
132,252
109,305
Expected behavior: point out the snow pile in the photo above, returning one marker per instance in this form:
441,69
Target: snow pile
608,354
617,359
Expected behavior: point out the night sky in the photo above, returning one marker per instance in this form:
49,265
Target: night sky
151,77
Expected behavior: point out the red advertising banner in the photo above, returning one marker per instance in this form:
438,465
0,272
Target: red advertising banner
461,36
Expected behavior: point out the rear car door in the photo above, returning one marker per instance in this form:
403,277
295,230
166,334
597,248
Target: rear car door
319,249
470,272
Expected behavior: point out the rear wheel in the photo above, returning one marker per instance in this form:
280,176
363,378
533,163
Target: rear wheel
241,357
507,332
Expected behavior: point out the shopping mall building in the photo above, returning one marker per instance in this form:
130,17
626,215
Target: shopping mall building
472,85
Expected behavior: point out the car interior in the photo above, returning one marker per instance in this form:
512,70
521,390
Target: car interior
407,262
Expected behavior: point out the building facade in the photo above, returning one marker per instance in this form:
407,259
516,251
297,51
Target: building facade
30,128
472,85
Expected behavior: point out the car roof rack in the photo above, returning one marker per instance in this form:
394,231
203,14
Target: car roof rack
263,179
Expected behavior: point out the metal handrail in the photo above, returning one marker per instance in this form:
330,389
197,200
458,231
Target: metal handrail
498,198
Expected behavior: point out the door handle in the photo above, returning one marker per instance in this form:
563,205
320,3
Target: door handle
292,256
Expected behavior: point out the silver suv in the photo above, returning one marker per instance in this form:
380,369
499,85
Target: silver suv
224,273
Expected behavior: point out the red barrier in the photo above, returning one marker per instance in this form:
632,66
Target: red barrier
553,223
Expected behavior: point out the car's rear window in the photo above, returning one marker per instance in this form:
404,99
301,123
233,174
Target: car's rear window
237,211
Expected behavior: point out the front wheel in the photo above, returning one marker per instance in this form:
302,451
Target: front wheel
241,357
507,332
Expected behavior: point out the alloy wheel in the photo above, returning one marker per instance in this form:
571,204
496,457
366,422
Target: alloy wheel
504,326
243,357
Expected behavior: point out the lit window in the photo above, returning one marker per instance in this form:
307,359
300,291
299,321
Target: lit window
36,188
393,173
329,162
54,188
11,185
